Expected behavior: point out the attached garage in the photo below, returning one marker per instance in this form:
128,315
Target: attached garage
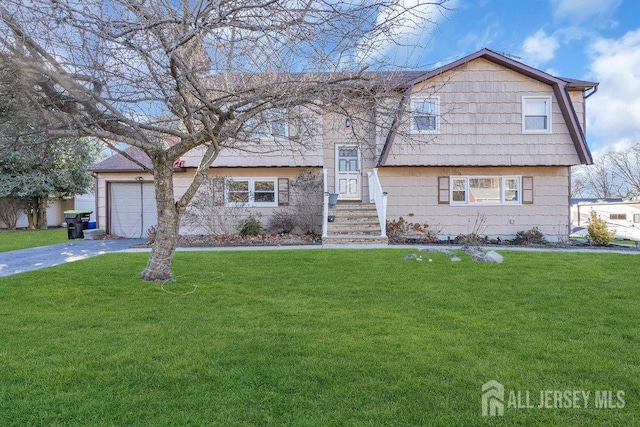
131,208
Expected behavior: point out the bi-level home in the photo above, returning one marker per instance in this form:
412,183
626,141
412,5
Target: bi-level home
483,144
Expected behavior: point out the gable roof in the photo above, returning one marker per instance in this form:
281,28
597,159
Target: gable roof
119,163
404,81
560,86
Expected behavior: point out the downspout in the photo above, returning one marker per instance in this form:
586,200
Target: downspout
95,198
141,209
595,89
586,95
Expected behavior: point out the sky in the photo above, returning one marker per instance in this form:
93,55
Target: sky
593,40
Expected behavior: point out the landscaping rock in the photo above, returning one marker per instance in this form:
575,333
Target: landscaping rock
478,254
493,257
455,259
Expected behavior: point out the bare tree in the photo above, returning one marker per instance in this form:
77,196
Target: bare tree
596,180
625,165
613,174
170,76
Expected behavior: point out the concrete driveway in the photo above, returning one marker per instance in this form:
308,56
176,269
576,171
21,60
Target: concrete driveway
14,262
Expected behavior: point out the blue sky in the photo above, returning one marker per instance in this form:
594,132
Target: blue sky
595,40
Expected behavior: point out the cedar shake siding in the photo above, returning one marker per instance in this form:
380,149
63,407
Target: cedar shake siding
481,122
414,195
504,132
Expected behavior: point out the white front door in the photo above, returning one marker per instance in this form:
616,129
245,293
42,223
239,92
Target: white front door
348,184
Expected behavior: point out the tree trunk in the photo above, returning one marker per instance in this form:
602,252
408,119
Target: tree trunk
41,213
31,212
36,211
159,265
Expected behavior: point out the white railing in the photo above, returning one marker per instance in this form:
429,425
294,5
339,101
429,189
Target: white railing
379,197
325,203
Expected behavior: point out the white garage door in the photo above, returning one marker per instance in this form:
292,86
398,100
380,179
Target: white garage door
132,209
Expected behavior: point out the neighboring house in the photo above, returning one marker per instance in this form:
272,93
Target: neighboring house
56,208
55,215
621,216
483,144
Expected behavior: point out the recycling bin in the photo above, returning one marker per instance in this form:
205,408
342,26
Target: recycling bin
77,221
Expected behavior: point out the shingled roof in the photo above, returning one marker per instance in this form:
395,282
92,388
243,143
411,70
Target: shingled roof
119,163
403,81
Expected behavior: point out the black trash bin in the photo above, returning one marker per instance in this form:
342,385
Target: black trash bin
77,222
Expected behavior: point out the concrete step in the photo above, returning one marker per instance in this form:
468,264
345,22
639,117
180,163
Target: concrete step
355,206
354,233
360,240
365,226
354,223
352,215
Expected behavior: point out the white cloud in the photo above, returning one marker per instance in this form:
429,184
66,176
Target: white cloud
581,10
614,112
539,48
414,22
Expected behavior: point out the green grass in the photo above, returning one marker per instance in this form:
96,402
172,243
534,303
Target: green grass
625,242
14,240
310,338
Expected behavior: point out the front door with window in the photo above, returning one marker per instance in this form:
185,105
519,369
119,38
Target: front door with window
348,184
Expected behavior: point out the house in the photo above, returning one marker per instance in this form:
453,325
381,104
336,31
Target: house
621,216
481,145
55,214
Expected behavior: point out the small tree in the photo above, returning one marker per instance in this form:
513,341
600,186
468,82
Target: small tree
208,211
306,201
598,231
10,208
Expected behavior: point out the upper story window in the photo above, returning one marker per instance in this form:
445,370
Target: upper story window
269,124
497,190
536,114
425,115
252,192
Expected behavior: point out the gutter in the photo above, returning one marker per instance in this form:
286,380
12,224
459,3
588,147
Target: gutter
595,89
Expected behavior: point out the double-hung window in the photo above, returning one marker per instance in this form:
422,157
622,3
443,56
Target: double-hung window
536,114
252,192
493,190
274,124
425,115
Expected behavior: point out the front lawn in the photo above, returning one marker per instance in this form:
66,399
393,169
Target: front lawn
23,239
320,337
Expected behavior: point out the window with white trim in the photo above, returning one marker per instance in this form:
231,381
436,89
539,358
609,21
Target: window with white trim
536,114
425,115
273,124
487,190
252,192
